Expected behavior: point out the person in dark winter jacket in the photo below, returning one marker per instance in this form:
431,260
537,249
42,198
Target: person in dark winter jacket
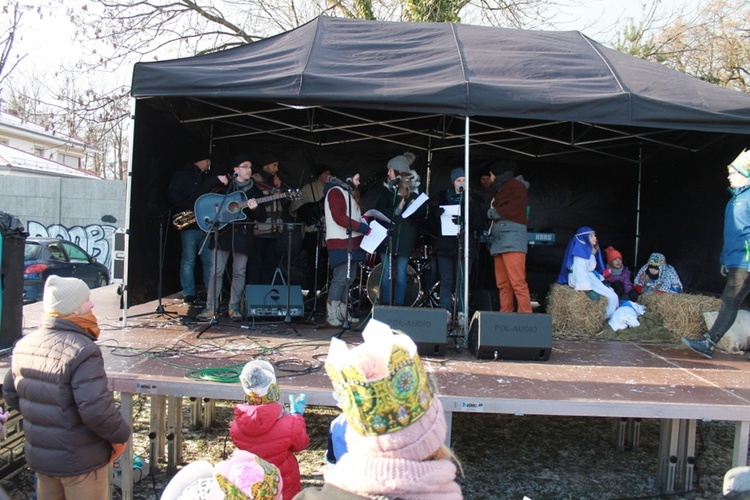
445,248
57,380
187,185
235,239
398,192
735,256
264,427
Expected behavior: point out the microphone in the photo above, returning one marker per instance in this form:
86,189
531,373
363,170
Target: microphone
350,181
235,174
461,188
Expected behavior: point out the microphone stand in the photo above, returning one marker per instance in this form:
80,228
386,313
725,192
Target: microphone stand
345,323
314,311
389,253
160,311
457,281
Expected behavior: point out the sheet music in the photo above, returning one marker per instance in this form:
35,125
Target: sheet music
418,202
447,225
377,214
372,241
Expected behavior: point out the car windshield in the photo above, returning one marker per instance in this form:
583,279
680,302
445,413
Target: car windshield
31,251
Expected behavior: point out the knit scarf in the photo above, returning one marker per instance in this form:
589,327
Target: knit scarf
395,477
86,322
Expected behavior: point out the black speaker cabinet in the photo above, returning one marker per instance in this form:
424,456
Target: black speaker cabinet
427,327
514,336
271,300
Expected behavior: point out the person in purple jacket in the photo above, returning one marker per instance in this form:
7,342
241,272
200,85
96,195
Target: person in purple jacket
618,276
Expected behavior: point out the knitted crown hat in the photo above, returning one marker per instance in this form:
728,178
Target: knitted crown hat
386,395
612,254
742,163
64,295
402,163
258,379
243,476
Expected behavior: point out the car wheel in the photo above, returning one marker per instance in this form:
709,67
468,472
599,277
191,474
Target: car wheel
101,281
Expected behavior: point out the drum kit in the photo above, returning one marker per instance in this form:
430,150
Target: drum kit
421,286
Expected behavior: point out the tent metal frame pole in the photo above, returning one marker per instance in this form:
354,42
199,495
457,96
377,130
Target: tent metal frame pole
639,187
465,283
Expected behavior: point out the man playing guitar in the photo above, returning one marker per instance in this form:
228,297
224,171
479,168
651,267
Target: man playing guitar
237,238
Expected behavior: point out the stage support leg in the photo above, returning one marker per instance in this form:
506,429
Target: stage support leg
196,411
448,424
739,454
676,455
209,411
174,433
126,409
667,468
686,454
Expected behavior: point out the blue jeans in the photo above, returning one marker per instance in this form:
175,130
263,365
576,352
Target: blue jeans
735,291
399,277
191,243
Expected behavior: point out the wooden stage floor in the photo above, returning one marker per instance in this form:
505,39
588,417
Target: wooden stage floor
159,355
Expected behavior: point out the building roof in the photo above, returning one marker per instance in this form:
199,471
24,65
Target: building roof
21,161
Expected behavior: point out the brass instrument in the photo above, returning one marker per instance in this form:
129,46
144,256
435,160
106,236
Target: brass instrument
183,219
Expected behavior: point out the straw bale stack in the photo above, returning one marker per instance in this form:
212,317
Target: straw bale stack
573,312
681,313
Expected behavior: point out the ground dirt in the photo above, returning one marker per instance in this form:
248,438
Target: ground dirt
502,456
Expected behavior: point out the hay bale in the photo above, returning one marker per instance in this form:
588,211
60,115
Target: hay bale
573,312
681,313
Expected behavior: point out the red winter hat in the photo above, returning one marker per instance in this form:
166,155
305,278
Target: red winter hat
612,254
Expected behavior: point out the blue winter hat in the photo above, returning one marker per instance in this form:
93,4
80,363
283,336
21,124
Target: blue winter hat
456,173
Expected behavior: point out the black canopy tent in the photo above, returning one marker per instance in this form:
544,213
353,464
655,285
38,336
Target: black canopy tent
626,146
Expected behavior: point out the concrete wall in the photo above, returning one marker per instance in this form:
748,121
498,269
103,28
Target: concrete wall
71,209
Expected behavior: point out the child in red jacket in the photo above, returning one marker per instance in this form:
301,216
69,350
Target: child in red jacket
264,427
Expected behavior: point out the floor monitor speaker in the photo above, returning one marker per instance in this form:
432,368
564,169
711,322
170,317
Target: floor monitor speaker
427,327
514,336
271,300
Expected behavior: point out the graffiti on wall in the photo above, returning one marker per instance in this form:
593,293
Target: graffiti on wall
96,239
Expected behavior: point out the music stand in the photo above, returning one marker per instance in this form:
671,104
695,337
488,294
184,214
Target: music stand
160,311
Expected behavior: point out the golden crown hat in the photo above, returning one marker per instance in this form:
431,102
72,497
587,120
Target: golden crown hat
248,478
380,384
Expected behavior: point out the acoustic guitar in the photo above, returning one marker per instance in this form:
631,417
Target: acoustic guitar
222,209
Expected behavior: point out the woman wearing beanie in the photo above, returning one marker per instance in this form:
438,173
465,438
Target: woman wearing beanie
264,427
57,380
399,191
395,446
345,229
617,275
445,248
583,269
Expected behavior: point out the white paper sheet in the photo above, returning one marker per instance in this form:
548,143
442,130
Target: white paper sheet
372,240
450,213
414,205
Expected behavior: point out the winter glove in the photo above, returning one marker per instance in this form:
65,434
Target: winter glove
724,271
3,418
593,295
297,405
117,450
